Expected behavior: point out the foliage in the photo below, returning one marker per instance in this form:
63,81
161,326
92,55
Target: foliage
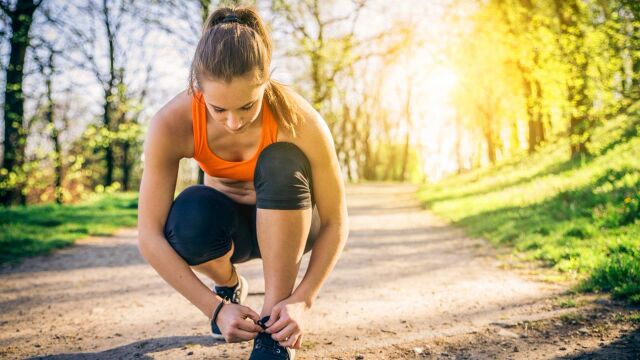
546,69
578,216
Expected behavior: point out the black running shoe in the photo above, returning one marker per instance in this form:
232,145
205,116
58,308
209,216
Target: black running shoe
265,348
235,294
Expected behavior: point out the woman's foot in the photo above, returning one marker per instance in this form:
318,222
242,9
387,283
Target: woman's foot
236,294
265,348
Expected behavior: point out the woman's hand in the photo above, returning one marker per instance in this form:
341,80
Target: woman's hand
285,323
238,323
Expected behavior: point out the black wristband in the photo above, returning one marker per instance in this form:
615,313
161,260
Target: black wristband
215,313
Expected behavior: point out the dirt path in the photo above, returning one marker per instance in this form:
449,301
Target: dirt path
404,278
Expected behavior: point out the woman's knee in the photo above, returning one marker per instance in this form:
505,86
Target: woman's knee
283,178
200,223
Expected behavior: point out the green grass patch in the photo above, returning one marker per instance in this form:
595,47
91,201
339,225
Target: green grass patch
38,229
567,304
580,217
635,317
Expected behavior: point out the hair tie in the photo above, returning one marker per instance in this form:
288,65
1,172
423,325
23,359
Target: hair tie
230,19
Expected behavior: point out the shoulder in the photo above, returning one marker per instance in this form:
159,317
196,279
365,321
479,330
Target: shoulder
313,128
172,124
313,136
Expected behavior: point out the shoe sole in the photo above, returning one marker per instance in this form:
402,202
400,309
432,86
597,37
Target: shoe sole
217,337
244,293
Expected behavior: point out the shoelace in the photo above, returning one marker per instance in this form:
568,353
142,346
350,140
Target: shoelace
264,340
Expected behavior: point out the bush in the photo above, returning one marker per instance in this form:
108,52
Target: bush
618,272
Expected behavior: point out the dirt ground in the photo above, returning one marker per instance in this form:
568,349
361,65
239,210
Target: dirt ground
407,286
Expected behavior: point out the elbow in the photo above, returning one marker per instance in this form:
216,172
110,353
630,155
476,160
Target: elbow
145,245
339,227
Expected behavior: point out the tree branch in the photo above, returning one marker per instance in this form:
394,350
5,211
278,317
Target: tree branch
6,9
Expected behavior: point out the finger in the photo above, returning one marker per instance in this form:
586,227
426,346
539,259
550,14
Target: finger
288,343
291,340
238,335
280,324
250,326
298,343
275,314
247,311
289,331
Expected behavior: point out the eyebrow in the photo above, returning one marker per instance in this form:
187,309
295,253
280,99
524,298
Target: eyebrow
243,106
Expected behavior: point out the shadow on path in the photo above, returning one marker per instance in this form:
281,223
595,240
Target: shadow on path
626,347
80,256
140,349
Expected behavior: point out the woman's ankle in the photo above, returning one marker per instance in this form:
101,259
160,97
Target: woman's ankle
233,279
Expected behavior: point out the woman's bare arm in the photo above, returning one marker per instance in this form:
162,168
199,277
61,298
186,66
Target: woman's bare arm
315,140
161,161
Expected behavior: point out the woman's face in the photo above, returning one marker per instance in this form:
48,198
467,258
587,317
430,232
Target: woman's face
234,105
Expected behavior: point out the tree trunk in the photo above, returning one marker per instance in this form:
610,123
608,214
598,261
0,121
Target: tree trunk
538,120
108,96
353,134
368,172
108,147
407,138
204,14
458,145
489,138
126,166
342,149
14,132
405,156
55,135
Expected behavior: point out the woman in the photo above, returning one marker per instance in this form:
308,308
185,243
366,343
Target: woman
272,190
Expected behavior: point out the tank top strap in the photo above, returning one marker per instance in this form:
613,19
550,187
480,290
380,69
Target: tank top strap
269,124
199,118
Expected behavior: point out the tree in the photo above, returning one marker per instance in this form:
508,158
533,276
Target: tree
47,68
571,19
21,18
329,46
99,44
523,24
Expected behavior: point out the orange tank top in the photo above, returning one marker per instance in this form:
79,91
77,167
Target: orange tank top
209,162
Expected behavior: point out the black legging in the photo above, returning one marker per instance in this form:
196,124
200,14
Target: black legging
203,222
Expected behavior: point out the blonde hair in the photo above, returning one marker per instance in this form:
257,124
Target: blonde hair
234,43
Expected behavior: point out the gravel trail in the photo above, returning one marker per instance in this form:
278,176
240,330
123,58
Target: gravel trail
404,276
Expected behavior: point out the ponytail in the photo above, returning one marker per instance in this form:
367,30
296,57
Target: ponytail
283,106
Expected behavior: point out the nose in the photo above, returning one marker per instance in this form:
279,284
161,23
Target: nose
233,122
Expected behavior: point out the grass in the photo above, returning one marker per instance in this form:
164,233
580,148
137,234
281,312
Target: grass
567,304
38,229
580,217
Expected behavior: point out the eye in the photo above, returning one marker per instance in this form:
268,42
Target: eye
246,108
218,110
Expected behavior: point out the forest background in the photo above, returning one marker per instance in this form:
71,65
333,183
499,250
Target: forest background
520,118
